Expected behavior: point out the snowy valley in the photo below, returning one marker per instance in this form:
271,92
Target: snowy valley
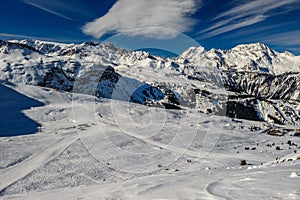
94,121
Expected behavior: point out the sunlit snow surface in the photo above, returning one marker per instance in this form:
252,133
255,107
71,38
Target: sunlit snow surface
108,149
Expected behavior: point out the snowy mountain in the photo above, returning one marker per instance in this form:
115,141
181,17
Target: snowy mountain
249,77
246,57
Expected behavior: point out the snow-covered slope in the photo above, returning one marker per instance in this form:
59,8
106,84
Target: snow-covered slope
251,77
91,148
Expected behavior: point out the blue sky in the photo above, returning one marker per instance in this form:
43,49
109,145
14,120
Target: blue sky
211,23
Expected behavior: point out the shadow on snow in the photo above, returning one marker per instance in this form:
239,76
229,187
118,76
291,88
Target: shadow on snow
13,121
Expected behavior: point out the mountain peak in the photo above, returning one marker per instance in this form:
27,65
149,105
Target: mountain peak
92,43
287,53
252,46
191,53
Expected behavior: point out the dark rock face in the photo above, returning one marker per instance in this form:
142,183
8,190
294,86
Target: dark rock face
147,94
242,110
57,79
260,85
255,96
107,81
267,86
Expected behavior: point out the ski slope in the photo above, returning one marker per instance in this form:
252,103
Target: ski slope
108,149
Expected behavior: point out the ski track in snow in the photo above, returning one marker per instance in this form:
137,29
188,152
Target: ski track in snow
180,150
241,185
20,170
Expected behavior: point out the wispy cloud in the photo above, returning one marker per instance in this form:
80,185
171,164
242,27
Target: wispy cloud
10,36
246,14
19,36
33,3
142,14
254,33
237,24
59,8
289,38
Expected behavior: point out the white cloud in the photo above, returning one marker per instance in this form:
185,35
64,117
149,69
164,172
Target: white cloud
246,14
142,15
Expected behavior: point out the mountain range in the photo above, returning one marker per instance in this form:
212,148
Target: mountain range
249,81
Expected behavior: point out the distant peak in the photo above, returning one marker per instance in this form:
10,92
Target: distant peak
287,53
92,43
109,45
257,45
199,49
